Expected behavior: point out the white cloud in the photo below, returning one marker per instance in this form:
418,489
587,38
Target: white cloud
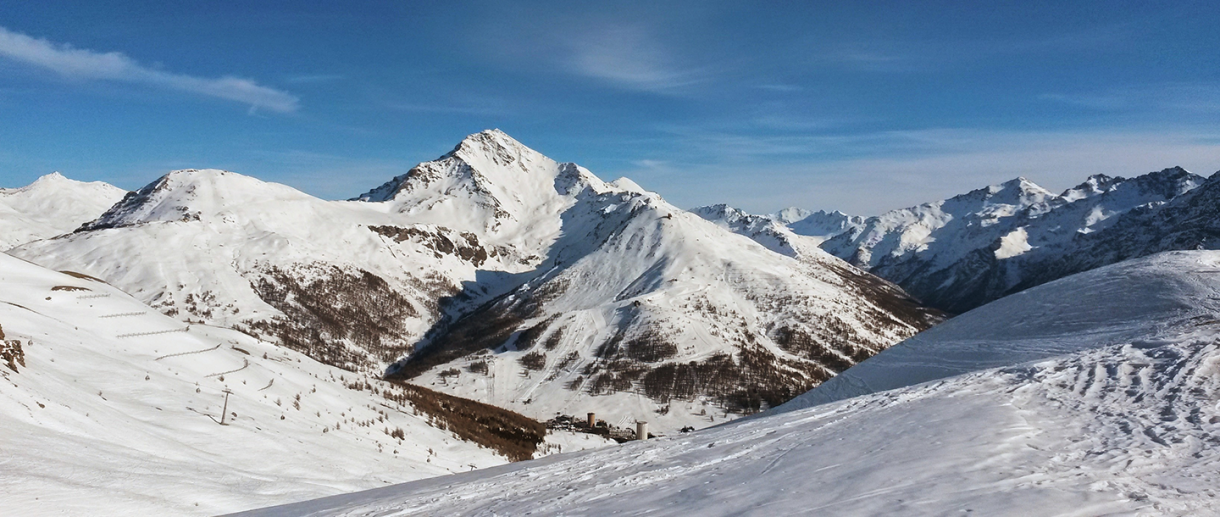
114,66
631,58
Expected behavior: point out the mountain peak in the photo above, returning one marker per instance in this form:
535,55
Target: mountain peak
1095,184
496,146
188,194
480,159
490,183
1017,191
54,176
57,180
1174,173
1021,183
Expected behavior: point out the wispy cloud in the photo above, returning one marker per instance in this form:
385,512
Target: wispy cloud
313,78
1108,102
1179,98
869,173
114,66
630,57
780,87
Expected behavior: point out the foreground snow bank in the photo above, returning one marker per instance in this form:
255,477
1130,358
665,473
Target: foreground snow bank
1121,420
1133,300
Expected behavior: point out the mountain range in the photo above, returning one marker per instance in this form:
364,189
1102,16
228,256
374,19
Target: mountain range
216,337
962,252
497,274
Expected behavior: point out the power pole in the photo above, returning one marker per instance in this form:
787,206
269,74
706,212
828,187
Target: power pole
224,412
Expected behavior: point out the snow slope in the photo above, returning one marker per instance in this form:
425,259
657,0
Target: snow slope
1139,300
115,411
1120,421
52,205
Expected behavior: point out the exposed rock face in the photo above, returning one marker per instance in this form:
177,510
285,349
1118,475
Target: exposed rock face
11,353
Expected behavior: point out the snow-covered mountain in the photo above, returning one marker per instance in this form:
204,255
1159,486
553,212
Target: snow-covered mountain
645,311
108,407
495,187
777,231
765,230
338,281
1186,222
465,262
52,205
1090,395
962,252
820,225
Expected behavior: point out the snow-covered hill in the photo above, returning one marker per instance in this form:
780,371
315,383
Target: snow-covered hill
339,281
1091,395
108,407
50,206
1142,300
638,308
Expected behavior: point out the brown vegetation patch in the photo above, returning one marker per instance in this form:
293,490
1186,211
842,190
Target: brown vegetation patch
534,360
576,383
514,436
753,380
553,340
486,328
891,299
801,344
650,347
81,276
69,288
528,337
333,309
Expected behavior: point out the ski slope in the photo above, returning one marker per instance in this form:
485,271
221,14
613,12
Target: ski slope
116,410
1069,400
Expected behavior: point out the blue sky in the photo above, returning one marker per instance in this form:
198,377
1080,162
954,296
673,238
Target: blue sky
859,106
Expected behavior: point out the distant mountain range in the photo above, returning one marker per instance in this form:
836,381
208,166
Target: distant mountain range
962,252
